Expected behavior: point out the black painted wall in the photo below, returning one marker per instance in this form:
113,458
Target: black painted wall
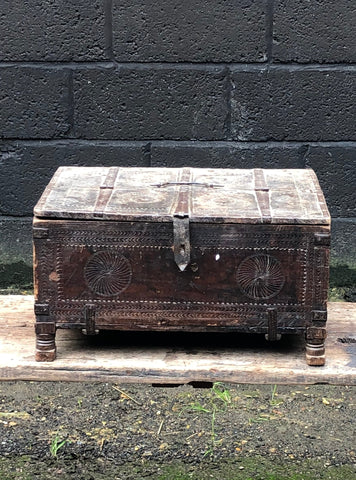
222,83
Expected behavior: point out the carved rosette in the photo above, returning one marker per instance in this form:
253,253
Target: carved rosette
107,273
260,276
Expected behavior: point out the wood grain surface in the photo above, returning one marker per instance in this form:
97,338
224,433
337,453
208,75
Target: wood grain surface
279,196
174,357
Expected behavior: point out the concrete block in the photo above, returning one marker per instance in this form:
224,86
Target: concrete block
34,30
225,155
25,170
343,258
319,31
16,240
34,102
199,31
336,170
291,104
150,103
343,244
15,252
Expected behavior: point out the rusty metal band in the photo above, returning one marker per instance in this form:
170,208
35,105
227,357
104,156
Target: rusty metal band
272,324
105,192
262,195
182,203
181,213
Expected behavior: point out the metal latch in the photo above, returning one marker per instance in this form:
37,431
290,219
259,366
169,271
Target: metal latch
181,245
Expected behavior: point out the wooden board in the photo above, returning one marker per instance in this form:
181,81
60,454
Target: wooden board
174,358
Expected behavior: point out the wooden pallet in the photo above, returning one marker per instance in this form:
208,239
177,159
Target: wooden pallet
174,358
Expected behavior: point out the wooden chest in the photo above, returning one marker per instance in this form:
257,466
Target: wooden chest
182,249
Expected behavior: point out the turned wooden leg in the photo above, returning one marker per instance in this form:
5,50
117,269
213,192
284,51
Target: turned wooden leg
45,342
315,354
315,348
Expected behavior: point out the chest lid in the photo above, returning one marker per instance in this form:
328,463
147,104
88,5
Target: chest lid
280,196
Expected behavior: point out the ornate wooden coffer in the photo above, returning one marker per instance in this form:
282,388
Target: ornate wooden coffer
182,249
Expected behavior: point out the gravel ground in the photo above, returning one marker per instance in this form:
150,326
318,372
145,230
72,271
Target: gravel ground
109,431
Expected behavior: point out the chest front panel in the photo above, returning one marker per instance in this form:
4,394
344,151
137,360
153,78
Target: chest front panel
128,271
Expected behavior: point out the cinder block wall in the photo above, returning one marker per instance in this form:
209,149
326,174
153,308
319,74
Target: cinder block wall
234,83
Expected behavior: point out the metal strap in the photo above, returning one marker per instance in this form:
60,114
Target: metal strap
262,195
181,233
194,184
89,317
272,324
105,192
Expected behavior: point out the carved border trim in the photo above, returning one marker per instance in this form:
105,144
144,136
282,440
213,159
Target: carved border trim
301,284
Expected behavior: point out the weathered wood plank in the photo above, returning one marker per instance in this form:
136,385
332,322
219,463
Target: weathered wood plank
173,358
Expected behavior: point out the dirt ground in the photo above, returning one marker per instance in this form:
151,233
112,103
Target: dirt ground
109,431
